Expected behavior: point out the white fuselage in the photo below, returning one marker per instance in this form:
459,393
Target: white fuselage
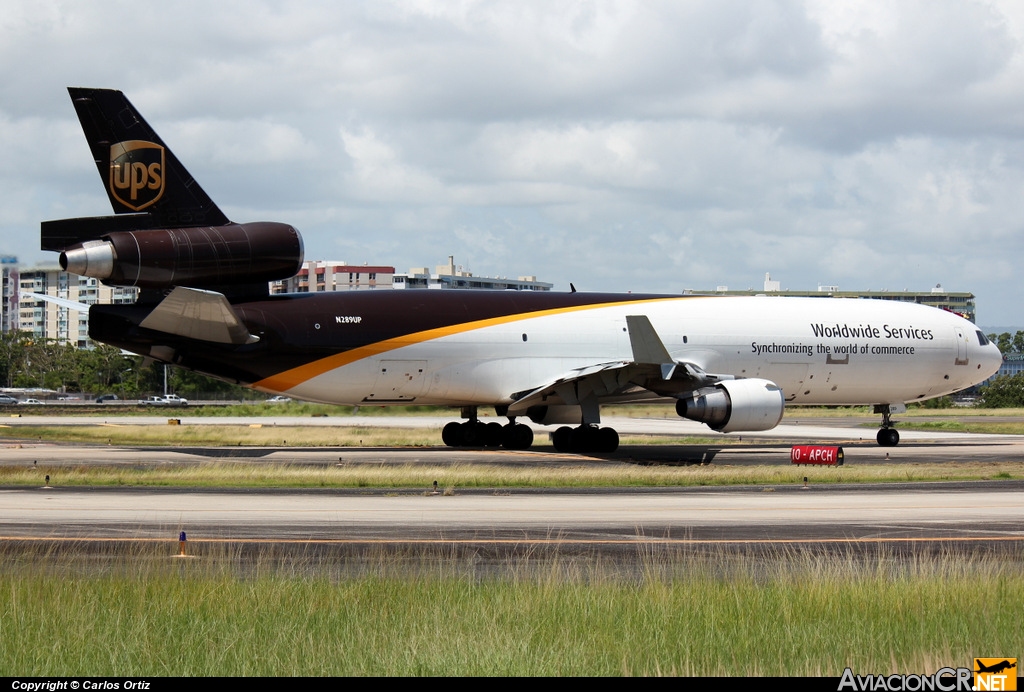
818,350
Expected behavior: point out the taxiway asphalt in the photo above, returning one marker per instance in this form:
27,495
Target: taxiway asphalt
986,516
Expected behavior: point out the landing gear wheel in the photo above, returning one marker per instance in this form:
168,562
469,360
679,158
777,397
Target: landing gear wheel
492,434
472,434
589,439
451,434
888,437
562,439
516,436
608,440
582,438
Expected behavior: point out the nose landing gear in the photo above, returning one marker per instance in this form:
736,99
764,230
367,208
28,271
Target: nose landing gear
888,436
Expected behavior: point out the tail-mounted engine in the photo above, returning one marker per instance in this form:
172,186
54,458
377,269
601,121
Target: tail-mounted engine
199,256
735,405
166,231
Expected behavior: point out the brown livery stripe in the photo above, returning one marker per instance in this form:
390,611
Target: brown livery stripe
292,378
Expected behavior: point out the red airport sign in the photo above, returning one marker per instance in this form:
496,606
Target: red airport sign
816,454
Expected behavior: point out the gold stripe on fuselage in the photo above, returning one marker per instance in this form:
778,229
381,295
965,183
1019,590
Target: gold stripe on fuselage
288,379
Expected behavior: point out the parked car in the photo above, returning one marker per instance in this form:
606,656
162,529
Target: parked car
106,397
168,400
6,400
279,400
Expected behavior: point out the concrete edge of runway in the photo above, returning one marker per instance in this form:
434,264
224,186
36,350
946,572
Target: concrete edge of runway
938,486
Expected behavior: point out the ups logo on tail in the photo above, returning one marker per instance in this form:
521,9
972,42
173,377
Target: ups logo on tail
136,173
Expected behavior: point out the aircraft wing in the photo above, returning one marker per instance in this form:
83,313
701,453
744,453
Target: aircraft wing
652,368
575,386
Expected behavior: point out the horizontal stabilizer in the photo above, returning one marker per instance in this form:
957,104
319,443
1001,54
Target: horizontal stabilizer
63,302
60,234
200,315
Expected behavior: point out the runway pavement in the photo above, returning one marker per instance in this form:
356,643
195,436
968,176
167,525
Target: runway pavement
506,531
983,516
940,511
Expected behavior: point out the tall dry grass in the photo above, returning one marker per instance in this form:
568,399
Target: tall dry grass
787,614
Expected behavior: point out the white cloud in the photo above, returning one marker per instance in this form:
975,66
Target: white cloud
247,142
622,145
379,173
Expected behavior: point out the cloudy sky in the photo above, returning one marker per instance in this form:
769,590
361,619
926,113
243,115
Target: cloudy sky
623,146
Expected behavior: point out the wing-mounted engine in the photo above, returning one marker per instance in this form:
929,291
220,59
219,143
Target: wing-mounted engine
725,404
735,405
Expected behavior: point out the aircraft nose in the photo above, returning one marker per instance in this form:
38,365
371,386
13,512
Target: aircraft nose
985,355
991,359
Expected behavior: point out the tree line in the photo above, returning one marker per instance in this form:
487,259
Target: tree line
1008,343
30,362
1005,391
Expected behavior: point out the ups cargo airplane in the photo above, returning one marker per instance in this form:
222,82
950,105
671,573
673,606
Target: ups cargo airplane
556,358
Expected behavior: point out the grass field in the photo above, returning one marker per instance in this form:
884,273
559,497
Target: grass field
978,425
256,474
227,435
266,435
149,614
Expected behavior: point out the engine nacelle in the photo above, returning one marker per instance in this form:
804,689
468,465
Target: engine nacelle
735,405
554,415
196,257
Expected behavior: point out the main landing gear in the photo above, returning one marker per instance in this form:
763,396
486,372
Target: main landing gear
585,438
887,436
474,433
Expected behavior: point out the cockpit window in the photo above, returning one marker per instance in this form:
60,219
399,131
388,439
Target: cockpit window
982,339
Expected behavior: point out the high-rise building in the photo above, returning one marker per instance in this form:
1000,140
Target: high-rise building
50,320
960,303
322,275
9,295
449,276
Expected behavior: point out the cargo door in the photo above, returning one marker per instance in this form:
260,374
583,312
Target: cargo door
398,381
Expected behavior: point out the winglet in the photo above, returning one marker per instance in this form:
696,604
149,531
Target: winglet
197,314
